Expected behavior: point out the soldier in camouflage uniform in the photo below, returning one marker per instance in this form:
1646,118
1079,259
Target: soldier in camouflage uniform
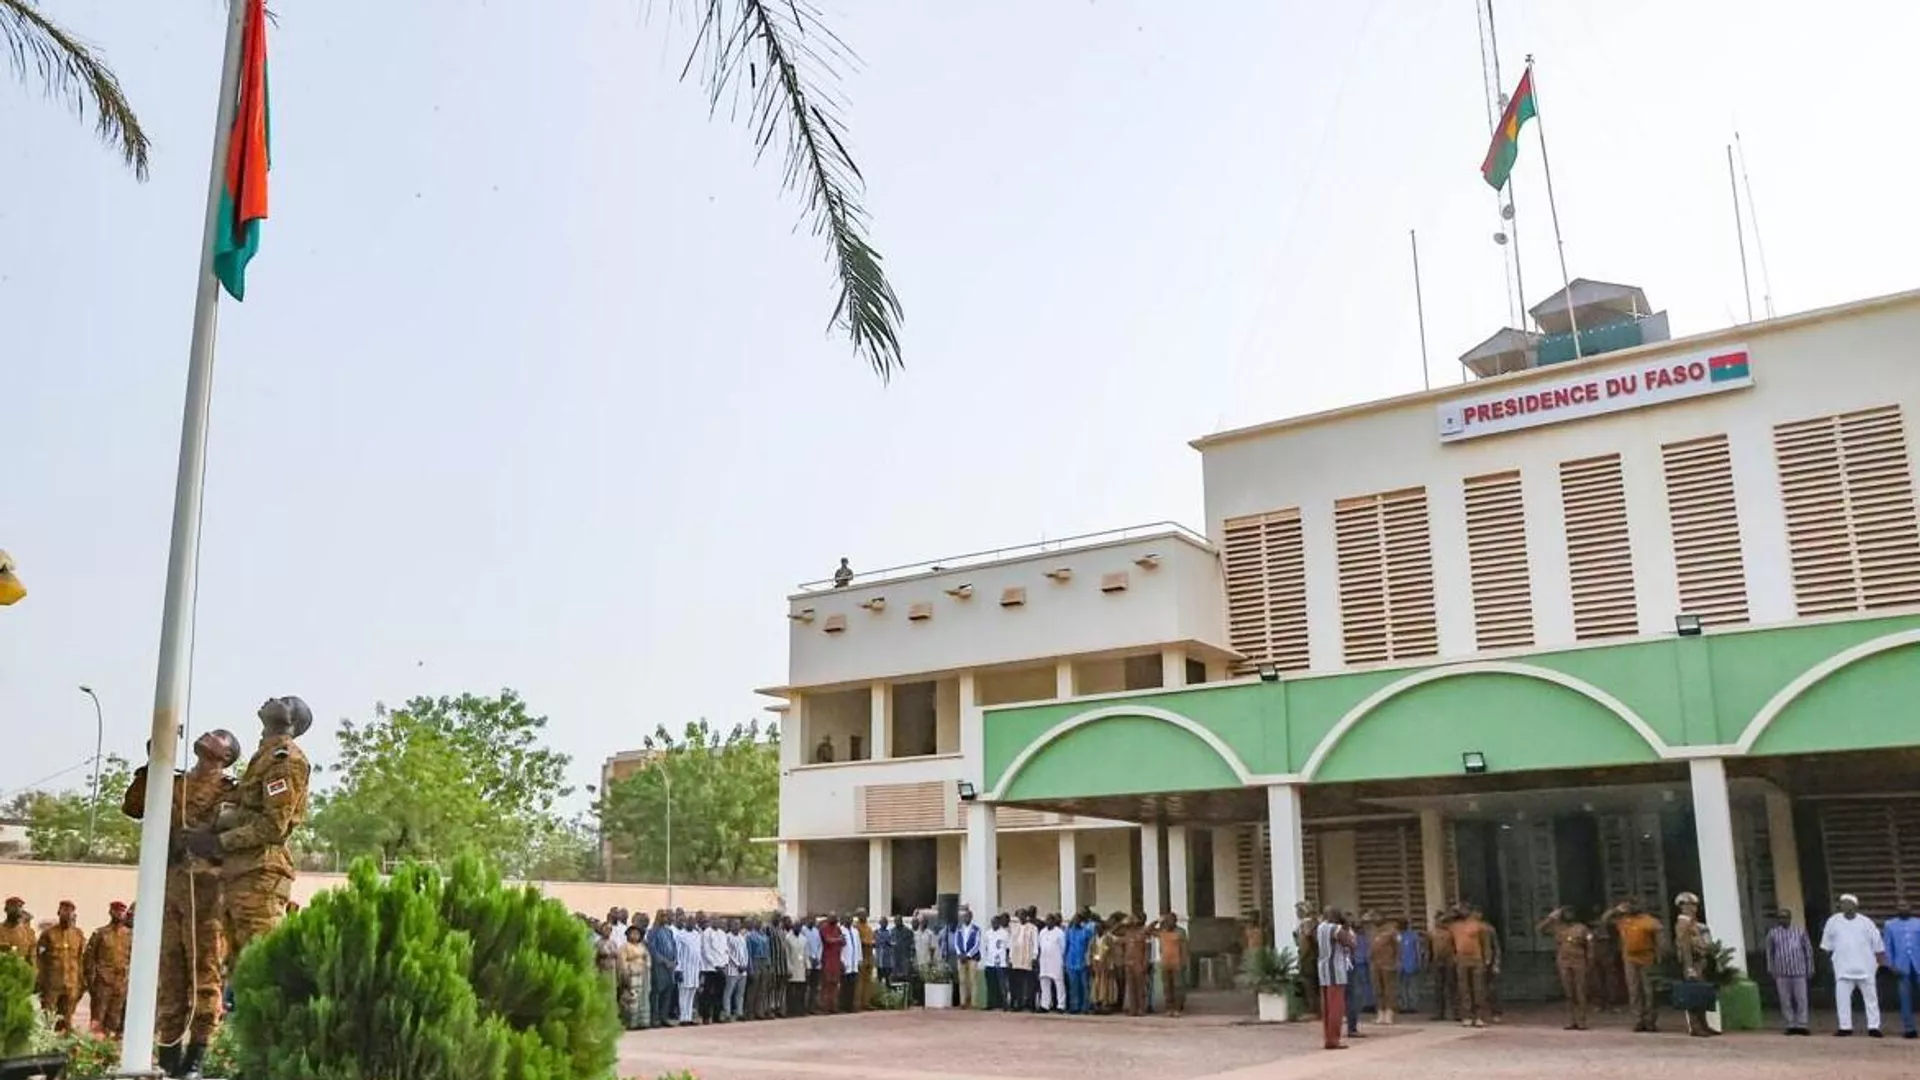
249,838
192,950
109,953
58,974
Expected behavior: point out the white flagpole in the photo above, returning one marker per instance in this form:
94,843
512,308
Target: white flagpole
1566,283
1420,312
183,561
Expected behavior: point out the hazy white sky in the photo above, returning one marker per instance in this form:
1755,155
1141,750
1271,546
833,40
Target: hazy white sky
532,389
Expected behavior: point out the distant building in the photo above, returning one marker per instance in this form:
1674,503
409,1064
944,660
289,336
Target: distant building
14,841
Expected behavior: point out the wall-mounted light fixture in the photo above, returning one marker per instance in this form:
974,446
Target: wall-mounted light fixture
1474,762
1149,561
1687,625
1013,596
835,624
804,615
968,792
1061,574
961,591
876,604
1114,582
1268,673
919,612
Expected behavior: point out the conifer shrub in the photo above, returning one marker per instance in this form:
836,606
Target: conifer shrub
17,1007
424,978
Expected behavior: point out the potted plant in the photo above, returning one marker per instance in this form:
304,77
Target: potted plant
1273,976
938,978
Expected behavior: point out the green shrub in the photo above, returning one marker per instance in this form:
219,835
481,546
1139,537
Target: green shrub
88,1055
423,977
1270,971
17,1006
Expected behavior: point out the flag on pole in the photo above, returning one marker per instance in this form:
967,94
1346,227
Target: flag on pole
1505,149
243,204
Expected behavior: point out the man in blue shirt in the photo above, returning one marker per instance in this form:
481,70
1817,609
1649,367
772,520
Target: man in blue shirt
815,950
758,966
663,951
1079,940
1902,936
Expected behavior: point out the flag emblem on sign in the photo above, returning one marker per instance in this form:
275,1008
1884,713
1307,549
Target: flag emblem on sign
1727,367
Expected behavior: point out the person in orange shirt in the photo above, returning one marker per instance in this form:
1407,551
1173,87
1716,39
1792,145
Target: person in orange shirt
1173,964
1639,936
1473,955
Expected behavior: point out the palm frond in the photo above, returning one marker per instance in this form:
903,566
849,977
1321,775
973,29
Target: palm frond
788,60
67,69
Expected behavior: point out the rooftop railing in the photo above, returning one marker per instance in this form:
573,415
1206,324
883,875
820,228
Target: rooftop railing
994,555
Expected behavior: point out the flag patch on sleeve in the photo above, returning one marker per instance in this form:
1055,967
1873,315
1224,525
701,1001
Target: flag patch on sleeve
276,787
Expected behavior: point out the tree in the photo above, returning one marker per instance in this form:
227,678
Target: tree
439,776
67,69
788,54
57,823
725,794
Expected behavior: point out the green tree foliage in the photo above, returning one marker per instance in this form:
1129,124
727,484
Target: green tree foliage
17,1007
439,776
725,792
427,978
57,822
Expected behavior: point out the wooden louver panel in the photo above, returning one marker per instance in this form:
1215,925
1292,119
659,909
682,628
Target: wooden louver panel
1847,484
1255,868
921,807
1266,573
1386,577
1707,560
1599,550
1497,560
1872,850
1387,871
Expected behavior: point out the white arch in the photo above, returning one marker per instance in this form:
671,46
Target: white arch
1489,667
1150,712
1812,676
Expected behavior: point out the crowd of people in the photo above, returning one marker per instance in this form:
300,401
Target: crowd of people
70,964
1354,965
677,968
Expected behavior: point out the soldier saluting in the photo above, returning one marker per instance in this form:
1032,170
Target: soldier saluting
249,838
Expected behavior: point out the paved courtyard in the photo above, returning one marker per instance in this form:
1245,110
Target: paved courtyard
921,1045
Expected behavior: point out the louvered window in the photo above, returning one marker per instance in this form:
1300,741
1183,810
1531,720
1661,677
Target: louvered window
923,807
1497,560
1599,554
1872,850
1706,530
1847,484
1386,577
1266,572
1256,870
1387,871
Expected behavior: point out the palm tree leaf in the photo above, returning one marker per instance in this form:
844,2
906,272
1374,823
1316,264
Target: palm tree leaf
790,60
69,70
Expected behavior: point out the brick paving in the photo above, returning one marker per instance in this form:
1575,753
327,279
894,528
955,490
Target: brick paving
919,1045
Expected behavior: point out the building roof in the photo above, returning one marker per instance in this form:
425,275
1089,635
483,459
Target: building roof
1443,393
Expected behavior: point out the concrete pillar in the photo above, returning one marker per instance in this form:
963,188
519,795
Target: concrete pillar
1179,874
1063,678
1069,873
880,734
1173,668
1719,864
793,733
973,734
1433,863
1217,671
980,862
793,889
1151,902
1784,846
1288,859
879,876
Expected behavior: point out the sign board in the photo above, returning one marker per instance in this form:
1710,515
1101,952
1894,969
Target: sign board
1576,397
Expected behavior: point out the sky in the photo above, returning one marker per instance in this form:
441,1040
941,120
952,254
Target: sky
534,386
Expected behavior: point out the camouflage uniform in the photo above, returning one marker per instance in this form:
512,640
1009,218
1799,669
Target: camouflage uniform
192,950
58,971
256,873
108,957
17,937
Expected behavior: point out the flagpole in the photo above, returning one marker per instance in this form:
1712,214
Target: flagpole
1566,283
1511,210
1740,232
1420,311
183,559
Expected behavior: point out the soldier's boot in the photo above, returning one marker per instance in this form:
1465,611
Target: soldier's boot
190,1061
169,1059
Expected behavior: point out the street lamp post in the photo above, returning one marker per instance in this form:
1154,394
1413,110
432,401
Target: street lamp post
99,735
